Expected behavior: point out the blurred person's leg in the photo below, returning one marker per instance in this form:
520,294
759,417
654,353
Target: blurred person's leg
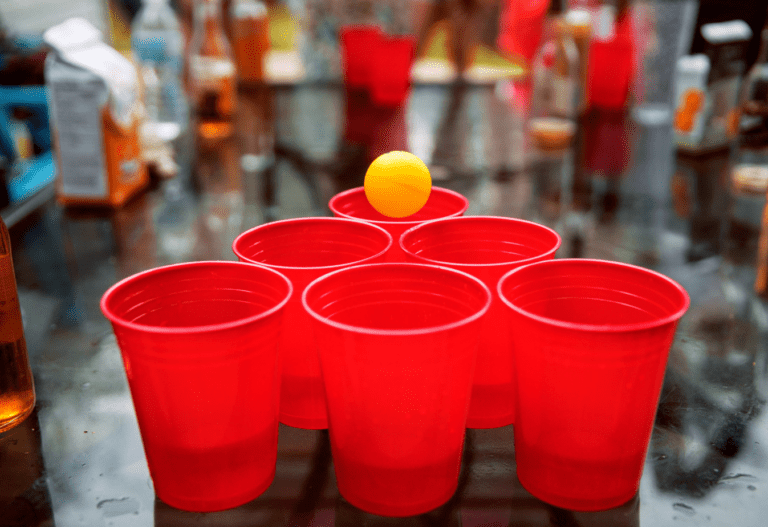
467,20
427,14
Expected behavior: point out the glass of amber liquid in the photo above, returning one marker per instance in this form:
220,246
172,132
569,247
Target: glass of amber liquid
17,391
212,73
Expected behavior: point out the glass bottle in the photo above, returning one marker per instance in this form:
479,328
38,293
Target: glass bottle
555,80
754,101
158,43
17,391
752,146
212,73
250,35
579,23
749,175
611,57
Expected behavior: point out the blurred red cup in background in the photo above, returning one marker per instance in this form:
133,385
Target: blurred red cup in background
359,44
391,70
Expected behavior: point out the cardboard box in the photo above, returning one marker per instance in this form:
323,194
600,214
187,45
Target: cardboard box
95,115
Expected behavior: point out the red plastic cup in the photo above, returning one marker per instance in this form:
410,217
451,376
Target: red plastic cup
303,249
591,340
391,70
199,344
397,345
521,25
353,204
487,248
358,45
610,71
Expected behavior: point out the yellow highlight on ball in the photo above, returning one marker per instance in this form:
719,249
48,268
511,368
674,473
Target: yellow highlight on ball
397,184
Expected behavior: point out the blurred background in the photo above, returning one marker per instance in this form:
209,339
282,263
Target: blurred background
138,133
604,79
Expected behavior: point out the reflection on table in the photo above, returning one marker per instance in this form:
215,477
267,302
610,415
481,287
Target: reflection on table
294,148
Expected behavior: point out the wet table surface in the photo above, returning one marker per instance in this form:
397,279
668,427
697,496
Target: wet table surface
78,460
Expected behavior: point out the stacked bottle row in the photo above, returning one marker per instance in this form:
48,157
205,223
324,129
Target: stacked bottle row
213,66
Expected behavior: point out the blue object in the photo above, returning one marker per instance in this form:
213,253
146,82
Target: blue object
30,175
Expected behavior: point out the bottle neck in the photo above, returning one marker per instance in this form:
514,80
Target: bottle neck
208,11
209,37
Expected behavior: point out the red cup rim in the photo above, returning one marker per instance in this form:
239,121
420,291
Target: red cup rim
470,219
353,191
116,319
317,219
610,328
368,26
396,332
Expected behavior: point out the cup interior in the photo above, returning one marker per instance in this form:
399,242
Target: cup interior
396,298
440,204
476,240
199,295
590,294
312,242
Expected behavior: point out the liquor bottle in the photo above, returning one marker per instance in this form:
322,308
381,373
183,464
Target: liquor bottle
749,174
555,80
119,26
158,43
579,23
212,73
761,278
752,146
17,391
250,36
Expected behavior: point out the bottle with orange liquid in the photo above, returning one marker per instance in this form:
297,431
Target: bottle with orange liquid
555,81
750,163
212,73
250,38
17,391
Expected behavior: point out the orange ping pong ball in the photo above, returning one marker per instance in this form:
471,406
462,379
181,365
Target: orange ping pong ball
397,184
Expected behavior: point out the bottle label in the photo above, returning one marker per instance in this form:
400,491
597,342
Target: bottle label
563,95
77,118
209,72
